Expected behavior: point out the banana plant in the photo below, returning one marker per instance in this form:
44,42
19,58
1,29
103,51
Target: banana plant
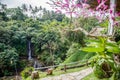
103,62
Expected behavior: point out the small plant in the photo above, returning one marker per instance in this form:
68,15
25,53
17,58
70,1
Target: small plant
27,72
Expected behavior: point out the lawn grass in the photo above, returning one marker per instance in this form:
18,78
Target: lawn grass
69,70
56,72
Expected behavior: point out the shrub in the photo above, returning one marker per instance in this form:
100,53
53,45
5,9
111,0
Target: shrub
27,72
8,61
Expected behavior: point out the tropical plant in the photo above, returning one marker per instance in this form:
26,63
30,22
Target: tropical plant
103,62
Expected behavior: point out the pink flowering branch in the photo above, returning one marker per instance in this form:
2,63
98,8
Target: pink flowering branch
81,8
69,7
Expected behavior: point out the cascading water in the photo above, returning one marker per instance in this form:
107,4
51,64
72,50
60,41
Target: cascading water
37,64
29,50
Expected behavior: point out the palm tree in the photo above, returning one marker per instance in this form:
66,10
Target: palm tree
24,7
3,7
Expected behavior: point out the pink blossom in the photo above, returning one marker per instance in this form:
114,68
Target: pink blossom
58,2
118,13
116,23
65,5
72,5
67,1
85,5
105,7
113,18
98,1
78,5
85,1
101,5
111,11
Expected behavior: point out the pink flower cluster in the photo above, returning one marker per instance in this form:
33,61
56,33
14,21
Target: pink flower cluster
80,7
70,7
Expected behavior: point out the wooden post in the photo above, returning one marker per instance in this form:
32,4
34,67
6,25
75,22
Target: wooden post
65,68
87,63
49,71
111,17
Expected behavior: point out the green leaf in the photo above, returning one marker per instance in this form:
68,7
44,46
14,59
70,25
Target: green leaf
93,40
113,44
101,61
94,44
93,49
113,49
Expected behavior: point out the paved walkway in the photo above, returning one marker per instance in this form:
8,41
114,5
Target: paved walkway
71,76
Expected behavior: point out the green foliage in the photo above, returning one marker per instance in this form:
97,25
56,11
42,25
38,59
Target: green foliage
93,77
88,23
73,49
7,73
45,32
103,60
104,23
8,61
75,36
3,16
27,72
5,34
99,72
46,58
117,29
76,56
51,15
102,46
15,14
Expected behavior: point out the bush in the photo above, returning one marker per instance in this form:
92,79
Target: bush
27,72
8,61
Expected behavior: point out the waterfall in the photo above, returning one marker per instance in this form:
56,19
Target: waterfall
29,50
37,64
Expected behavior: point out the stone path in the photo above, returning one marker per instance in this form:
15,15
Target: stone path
71,76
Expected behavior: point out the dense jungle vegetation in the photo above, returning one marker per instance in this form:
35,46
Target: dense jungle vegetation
29,32
52,42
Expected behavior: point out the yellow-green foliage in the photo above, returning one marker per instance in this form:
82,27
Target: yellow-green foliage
78,55
27,72
75,54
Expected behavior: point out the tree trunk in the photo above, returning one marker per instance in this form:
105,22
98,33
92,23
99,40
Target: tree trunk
111,17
